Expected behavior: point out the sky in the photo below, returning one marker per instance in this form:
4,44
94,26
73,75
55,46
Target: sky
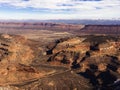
59,9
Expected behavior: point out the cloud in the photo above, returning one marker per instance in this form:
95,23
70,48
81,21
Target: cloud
77,8
61,4
87,0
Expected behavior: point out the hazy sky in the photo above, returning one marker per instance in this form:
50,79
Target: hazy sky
59,9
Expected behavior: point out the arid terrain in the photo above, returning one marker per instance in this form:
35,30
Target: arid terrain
52,56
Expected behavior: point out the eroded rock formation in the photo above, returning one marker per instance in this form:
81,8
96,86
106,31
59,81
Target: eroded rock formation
18,72
93,57
15,59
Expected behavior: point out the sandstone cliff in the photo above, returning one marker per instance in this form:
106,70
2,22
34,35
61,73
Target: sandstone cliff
15,59
93,57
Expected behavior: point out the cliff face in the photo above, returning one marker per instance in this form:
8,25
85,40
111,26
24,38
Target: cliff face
40,26
15,59
85,46
14,48
93,57
101,29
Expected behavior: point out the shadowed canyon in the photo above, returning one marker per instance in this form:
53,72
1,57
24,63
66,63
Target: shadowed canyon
58,56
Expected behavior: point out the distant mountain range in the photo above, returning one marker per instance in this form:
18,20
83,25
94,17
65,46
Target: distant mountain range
88,22
85,22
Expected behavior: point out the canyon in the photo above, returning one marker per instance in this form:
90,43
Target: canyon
58,56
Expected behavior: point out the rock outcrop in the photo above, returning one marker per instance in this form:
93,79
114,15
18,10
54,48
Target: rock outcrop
93,57
15,59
